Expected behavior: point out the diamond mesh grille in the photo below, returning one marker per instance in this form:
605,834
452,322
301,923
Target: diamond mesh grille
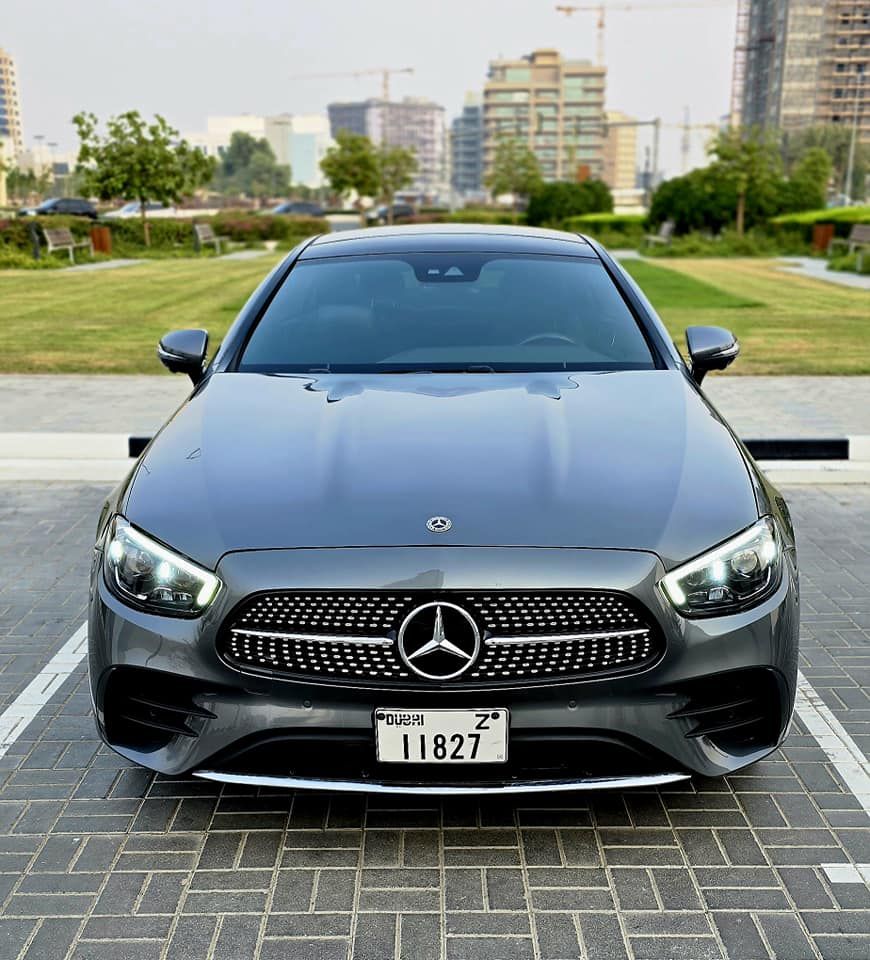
528,636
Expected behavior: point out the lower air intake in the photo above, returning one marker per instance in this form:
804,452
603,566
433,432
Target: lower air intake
146,709
738,711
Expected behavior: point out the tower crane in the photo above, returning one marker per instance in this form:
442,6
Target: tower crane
602,10
385,73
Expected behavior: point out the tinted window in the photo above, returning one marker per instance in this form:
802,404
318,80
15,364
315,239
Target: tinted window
447,311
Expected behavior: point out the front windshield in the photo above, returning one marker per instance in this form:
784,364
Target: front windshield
474,312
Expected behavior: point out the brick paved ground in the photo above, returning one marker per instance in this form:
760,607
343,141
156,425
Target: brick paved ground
99,860
756,406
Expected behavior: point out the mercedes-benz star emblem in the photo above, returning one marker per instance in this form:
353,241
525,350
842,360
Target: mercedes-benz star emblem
439,641
439,524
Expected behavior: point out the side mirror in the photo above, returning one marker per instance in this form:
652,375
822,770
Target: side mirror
710,348
183,351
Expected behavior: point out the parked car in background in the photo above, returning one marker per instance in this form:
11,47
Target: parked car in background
380,215
299,208
153,208
70,206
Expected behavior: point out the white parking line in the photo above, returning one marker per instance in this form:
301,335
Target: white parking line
840,748
17,716
847,758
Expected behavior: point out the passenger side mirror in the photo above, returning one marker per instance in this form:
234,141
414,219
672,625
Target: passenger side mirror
183,351
710,348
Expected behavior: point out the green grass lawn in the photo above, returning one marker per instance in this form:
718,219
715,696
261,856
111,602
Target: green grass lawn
785,324
110,321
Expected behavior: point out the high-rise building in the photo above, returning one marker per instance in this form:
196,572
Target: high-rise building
414,122
466,149
799,63
278,132
619,152
11,133
309,141
554,105
619,161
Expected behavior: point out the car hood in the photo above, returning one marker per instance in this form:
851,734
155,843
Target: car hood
626,460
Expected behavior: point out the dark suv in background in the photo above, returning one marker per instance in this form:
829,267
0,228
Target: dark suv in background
70,206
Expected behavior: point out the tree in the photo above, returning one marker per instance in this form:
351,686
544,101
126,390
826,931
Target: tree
834,139
139,160
700,200
749,160
807,187
3,169
396,168
248,167
551,203
514,170
351,165
23,184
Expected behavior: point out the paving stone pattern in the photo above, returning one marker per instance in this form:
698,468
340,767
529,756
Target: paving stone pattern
98,859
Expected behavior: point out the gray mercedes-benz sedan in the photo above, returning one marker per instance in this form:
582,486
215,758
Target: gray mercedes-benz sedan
446,512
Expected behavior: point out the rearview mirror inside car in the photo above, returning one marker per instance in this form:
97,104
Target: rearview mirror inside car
710,348
183,351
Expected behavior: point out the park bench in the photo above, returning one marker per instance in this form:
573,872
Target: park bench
61,238
857,241
664,236
202,234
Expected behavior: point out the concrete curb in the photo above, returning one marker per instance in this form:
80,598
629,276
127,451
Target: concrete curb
98,457
768,448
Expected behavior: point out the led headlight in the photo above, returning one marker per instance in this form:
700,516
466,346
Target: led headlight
732,576
151,576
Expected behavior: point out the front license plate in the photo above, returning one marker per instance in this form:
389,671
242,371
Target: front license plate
441,736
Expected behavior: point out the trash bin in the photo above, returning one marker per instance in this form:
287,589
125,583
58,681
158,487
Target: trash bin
823,234
101,238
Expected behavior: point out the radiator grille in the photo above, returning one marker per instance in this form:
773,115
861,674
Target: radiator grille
527,636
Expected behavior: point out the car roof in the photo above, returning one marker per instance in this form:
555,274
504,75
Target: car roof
447,237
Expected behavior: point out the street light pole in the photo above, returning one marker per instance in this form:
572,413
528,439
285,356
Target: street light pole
850,166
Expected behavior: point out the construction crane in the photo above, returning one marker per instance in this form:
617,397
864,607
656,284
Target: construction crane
385,73
602,9
687,127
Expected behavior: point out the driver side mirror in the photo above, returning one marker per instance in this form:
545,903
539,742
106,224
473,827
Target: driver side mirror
183,351
710,348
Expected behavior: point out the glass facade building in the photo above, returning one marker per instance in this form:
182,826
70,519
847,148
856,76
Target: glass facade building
466,150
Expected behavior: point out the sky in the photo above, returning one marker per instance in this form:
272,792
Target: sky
187,59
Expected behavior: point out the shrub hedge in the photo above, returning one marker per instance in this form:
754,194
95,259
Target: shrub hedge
754,243
168,236
800,225
628,223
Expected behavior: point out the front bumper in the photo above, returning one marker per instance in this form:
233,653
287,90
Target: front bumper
639,729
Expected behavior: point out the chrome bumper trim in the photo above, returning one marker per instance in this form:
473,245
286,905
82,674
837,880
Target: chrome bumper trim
365,786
